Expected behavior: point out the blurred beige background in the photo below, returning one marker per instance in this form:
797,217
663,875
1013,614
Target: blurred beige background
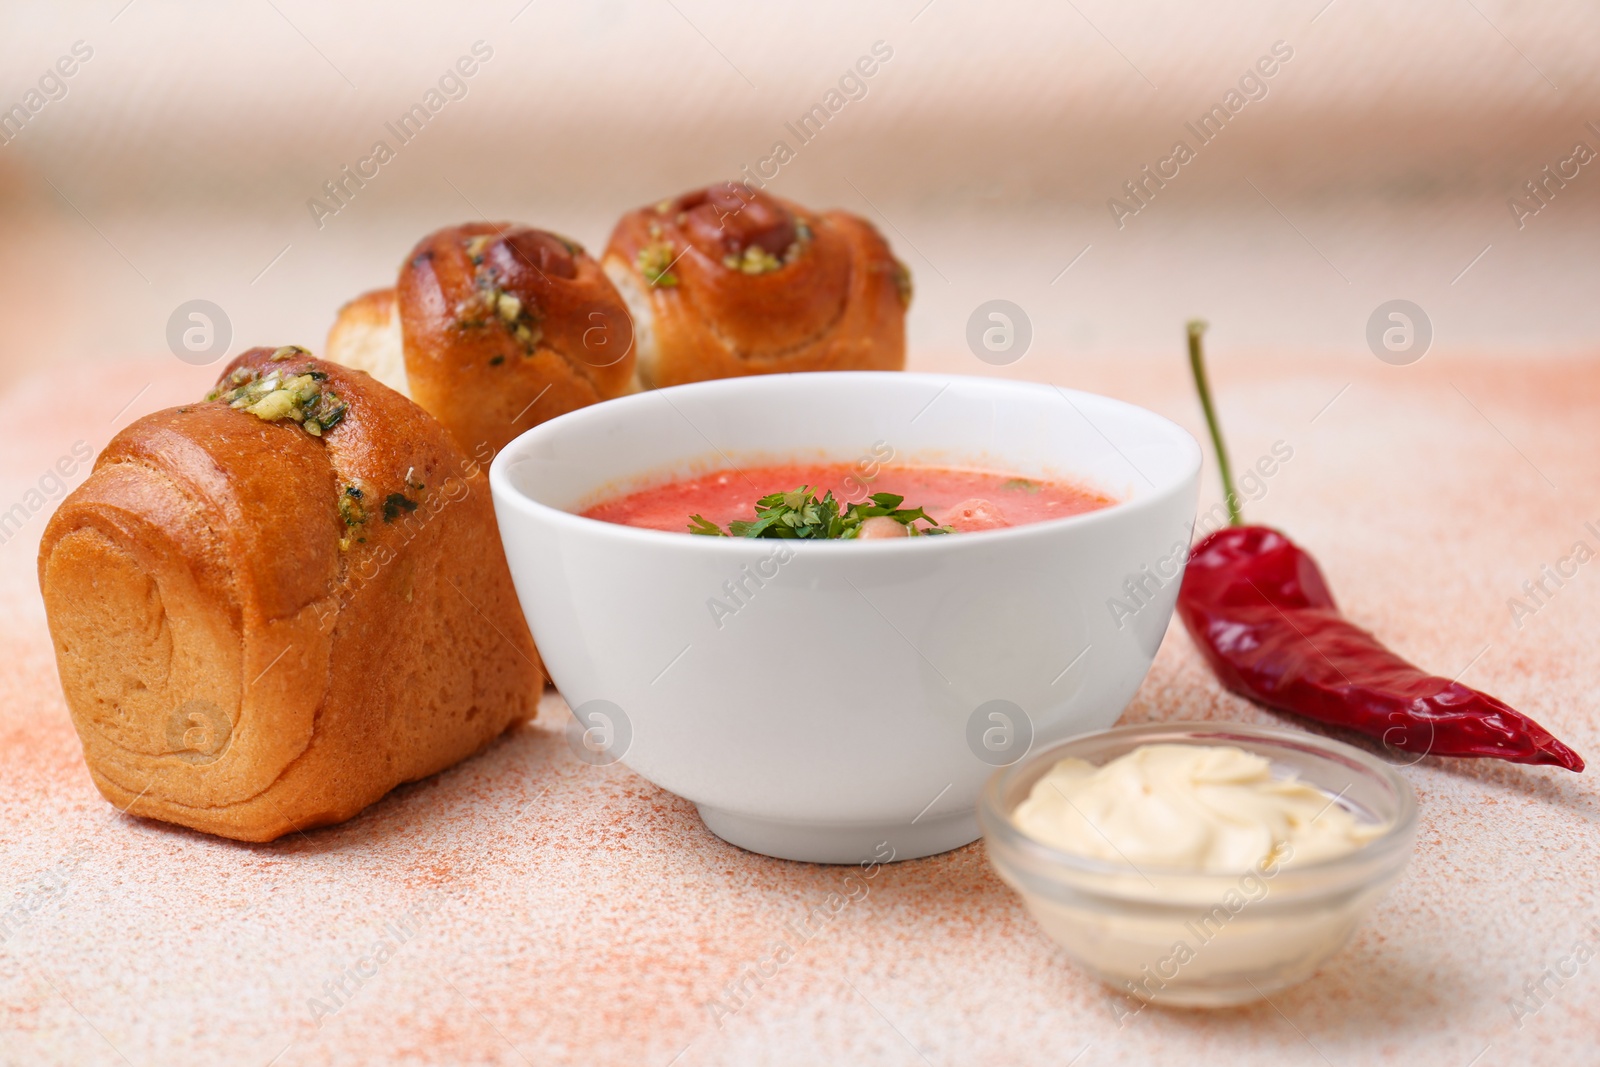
179,162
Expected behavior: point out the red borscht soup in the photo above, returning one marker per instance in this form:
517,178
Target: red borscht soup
962,500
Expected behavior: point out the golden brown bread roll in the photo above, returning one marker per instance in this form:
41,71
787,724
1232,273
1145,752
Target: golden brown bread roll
728,280
366,336
272,607
493,329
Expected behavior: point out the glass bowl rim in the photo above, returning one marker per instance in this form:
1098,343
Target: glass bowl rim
999,828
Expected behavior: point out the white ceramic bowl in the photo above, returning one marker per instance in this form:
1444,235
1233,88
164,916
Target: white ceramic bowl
854,704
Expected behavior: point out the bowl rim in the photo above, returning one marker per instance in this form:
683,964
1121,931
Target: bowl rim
1000,829
506,493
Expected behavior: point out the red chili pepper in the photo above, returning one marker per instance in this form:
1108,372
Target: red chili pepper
1259,609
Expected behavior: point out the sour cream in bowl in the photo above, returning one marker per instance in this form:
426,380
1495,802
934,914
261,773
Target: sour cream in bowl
1199,864
838,699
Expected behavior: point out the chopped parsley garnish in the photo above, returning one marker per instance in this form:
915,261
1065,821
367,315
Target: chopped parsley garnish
756,260
394,504
655,262
701,525
799,515
489,304
273,397
902,282
475,246
1024,484
350,507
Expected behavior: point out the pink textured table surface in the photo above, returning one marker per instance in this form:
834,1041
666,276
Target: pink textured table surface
538,910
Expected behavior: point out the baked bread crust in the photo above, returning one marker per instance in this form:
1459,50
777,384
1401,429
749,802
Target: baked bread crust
727,281
493,328
366,336
248,648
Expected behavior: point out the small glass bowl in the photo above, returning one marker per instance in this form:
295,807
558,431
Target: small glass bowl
1175,937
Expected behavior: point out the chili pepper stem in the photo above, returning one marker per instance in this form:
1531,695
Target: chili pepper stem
1197,328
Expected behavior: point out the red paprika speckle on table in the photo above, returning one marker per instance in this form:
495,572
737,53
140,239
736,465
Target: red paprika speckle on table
1260,611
